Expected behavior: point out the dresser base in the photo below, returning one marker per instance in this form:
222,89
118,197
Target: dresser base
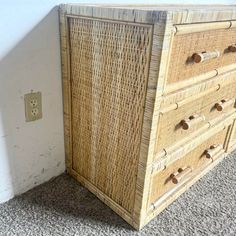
162,203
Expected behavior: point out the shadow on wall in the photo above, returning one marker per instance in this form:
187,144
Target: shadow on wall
32,152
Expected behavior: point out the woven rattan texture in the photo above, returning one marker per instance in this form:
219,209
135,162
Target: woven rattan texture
194,159
109,74
184,46
170,129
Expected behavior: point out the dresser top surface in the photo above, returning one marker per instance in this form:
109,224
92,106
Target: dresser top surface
162,7
178,14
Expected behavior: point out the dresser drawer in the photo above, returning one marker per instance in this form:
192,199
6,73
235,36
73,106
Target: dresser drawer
177,125
195,53
183,169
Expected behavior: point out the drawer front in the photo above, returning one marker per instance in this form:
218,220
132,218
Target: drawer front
179,171
188,119
196,53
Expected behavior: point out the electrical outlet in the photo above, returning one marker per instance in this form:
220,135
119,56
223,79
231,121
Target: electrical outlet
33,106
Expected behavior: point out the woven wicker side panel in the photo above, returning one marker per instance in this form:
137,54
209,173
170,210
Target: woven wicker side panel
109,74
184,46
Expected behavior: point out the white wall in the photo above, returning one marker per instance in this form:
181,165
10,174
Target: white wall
31,153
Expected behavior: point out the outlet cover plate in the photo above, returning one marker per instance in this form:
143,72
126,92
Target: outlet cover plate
33,106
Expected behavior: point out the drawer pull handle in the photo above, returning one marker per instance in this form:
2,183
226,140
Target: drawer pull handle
220,106
192,120
201,57
180,174
213,150
232,48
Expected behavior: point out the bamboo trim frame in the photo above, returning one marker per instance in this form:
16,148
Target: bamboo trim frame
194,28
180,97
161,40
201,78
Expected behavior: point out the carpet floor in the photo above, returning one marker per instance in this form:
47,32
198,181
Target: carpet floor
63,207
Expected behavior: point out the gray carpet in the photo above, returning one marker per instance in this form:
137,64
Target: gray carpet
62,207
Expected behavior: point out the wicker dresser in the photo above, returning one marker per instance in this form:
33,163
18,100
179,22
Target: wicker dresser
149,100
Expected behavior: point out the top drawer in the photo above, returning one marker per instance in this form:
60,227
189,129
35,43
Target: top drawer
201,48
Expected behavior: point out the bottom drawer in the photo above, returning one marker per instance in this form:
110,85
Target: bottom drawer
181,170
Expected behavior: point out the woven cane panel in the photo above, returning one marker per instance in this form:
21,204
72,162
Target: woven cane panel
181,65
109,74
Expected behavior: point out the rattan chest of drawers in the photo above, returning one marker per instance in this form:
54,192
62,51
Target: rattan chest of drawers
149,100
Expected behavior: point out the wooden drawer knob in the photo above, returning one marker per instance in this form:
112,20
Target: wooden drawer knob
220,106
192,120
180,174
213,150
200,57
232,48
